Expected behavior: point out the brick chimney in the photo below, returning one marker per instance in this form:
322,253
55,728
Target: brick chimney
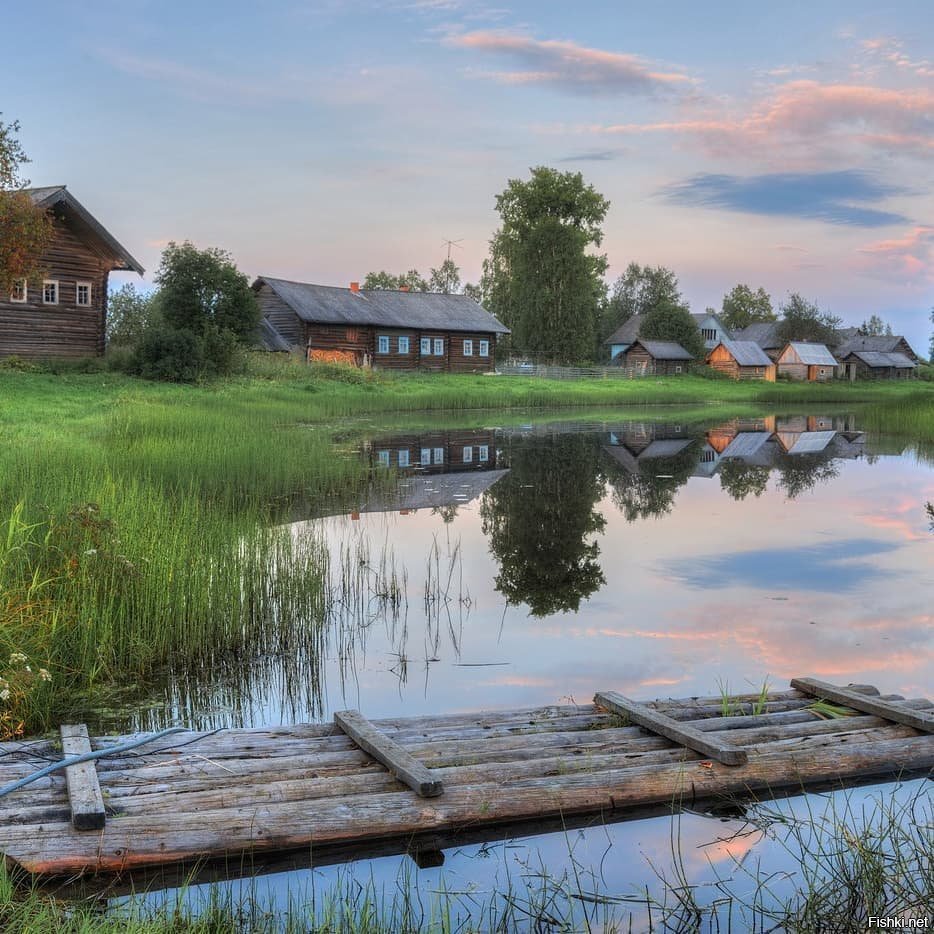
354,286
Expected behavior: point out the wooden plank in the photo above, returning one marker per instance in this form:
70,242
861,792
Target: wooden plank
84,790
918,719
391,754
671,729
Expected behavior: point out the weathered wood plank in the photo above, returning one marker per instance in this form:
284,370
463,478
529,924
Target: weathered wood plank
391,754
674,730
918,719
84,790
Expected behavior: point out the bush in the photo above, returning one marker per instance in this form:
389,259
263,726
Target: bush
168,354
926,372
20,365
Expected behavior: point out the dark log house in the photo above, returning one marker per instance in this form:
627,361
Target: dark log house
64,313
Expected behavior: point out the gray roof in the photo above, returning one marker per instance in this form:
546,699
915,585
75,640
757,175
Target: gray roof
811,442
746,444
268,338
877,359
429,311
431,491
763,333
665,350
747,353
813,354
627,332
58,194
882,343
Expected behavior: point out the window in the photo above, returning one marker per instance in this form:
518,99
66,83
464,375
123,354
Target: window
484,348
709,334
439,455
383,458
822,371
425,459
468,348
50,292
708,457
425,346
677,369
83,294
382,345
20,291
468,454
403,345
439,347
404,458
483,453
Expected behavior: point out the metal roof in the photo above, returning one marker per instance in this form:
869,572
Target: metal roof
811,442
878,343
763,333
813,354
747,353
268,338
627,332
58,194
429,311
665,350
746,444
876,359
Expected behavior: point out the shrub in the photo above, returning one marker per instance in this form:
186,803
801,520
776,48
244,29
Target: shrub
169,354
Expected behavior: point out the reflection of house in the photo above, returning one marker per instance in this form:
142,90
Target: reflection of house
873,364
638,442
752,447
805,442
435,452
804,361
436,491
663,358
741,360
388,329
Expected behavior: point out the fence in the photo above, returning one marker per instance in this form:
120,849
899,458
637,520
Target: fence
547,371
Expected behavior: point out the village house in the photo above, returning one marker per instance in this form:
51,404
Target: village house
804,361
64,314
661,358
712,331
741,360
765,335
874,364
386,329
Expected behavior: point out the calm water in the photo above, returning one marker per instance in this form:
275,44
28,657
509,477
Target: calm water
537,564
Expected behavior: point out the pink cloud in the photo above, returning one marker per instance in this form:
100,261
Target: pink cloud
569,66
910,257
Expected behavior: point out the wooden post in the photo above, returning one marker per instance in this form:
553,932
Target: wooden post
84,790
402,765
670,728
918,719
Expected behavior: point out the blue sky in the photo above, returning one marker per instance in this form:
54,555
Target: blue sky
790,146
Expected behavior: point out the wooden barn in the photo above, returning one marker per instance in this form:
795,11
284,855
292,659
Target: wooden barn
396,330
873,364
742,360
663,358
803,361
64,314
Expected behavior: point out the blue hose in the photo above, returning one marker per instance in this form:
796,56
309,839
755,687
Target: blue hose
86,757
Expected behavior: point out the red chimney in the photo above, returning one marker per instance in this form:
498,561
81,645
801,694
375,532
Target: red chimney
354,286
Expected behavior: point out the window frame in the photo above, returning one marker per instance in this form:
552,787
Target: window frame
424,346
438,458
437,346
382,343
383,458
399,342
483,453
24,285
404,453
424,461
468,346
58,292
481,351
78,287
467,454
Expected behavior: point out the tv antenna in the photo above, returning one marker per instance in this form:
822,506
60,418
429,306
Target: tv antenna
451,243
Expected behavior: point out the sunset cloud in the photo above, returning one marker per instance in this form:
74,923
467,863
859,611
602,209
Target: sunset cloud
910,257
570,67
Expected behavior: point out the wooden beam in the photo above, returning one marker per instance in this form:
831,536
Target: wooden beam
84,790
402,765
918,719
671,729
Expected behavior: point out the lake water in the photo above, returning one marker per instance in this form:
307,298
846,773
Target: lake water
516,565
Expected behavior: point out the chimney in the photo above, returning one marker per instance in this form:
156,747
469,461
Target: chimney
354,286
403,288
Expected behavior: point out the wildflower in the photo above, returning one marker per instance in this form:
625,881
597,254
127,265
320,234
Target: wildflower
91,552
44,674
17,658
5,694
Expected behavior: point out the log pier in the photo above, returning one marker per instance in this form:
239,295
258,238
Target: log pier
354,785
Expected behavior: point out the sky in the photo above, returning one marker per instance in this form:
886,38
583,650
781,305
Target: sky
785,145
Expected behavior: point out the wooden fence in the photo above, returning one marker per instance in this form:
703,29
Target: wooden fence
547,371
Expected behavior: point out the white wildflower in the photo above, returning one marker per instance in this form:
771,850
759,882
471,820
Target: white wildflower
44,674
5,694
17,658
91,551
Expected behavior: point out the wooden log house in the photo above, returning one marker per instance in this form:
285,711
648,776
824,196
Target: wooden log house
663,358
872,364
388,329
64,312
802,361
742,360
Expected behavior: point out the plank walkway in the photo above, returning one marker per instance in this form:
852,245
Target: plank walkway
236,794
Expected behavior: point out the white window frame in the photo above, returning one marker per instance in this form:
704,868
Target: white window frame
402,345
439,455
382,343
425,346
468,347
45,284
438,346
425,458
383,458
484,348
404,458
483,453
24,285
78,287
677,369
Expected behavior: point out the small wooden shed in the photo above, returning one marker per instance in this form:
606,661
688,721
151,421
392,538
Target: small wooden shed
870,364
811,362
663,358
741,360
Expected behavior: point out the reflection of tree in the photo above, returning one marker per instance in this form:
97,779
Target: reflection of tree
799,473
538,519
650,490
930,511
448,513
739,479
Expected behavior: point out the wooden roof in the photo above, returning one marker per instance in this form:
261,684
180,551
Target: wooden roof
664,350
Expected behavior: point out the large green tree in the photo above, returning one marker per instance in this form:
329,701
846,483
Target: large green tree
541,278
636,292
874,326
669,321
25,229
446,278
412,280
742,307
804,321
129,314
